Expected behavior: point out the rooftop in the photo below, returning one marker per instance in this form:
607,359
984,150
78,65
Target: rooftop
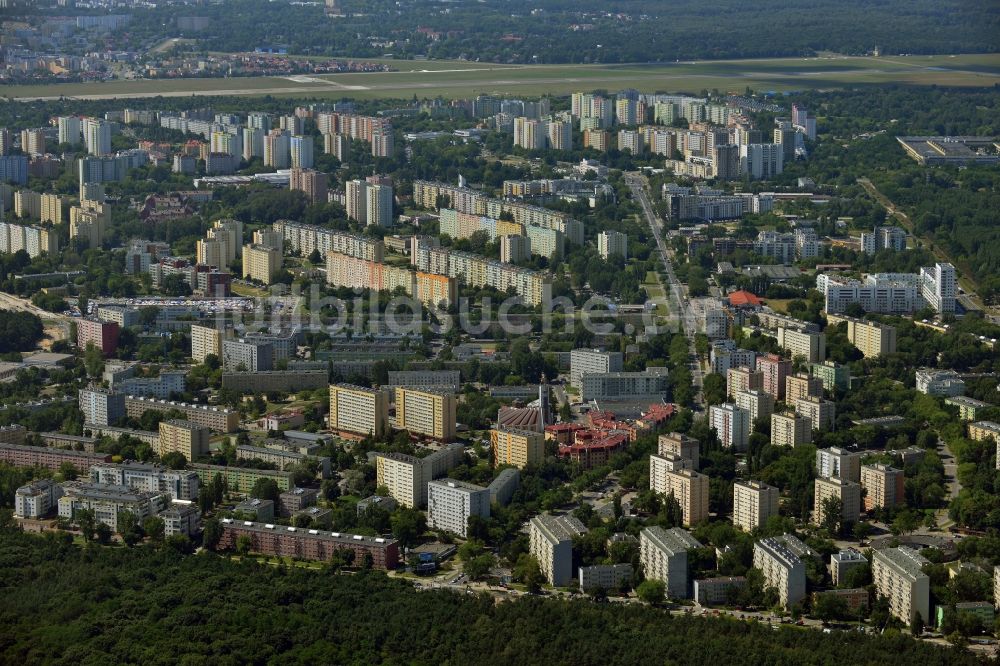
454,484
558,528
779,551
672,541
743,298
336,537
904,561
106,492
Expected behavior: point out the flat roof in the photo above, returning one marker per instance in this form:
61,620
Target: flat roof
672,541
335,537
558,528
904,561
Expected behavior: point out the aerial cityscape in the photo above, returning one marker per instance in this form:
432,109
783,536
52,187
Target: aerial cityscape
487,332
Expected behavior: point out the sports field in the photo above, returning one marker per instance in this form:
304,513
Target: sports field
463,79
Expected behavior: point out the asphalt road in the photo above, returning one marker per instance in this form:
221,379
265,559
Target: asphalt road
680,304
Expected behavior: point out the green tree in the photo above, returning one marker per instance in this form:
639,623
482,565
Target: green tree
68,471
651,591
103,534
407,526
93,360
266,489
174,460
833,509
479,567
87,522
916,624
153,527
129,527
528,571
211,533
830,607
243,544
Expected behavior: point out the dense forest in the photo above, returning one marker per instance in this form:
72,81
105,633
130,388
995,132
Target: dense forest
19,331
66,605
561,31
950,208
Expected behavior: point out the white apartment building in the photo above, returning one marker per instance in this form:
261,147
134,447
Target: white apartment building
449,380
514,249
37,499
179,484
450,503
612,243
943,383
839,462
663,554
107,502
753,503
731,424
181,519
899,577
101,406
659,465
550,540
97,136
939,287
843,561
379,200
761,161
650,385
893,293
582,361
782,570
725,355
883,238
604,576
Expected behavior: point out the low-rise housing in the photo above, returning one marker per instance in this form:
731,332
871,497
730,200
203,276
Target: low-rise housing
310,544
37,499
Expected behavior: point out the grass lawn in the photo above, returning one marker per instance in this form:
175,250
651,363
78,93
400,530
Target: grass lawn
778,304
246,290
462,79
656,292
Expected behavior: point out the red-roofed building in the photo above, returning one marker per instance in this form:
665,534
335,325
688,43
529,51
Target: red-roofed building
617,426
562,433
744,299
655,416
594,416
594,448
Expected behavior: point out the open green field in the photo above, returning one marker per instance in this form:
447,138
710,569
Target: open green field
463,79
